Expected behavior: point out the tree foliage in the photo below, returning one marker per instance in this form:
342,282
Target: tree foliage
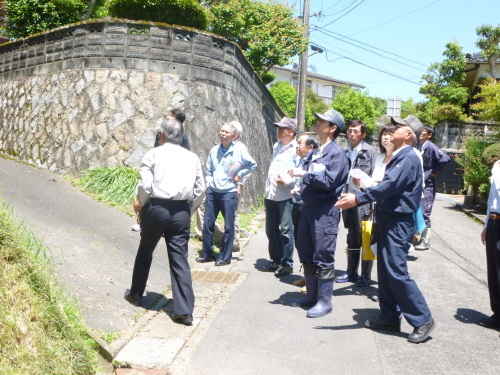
476,172
354,104
286,97
489,106
267,32
489,43
444,79
28,17
179,12
444,87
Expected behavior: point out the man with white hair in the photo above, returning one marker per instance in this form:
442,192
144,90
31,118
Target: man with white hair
166,204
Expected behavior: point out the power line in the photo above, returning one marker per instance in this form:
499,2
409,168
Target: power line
368,66
406,60
349,11
395,19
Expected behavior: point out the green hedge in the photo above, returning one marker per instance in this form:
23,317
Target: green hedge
177,12
491,154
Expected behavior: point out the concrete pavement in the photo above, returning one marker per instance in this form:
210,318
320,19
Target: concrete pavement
243,324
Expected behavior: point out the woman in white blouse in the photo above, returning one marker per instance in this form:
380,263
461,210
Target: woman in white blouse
386,148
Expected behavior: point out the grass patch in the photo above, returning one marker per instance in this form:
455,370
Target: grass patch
114,186
41,330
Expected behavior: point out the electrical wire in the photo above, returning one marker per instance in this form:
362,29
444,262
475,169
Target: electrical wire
368,66
395,19
349,11
406,60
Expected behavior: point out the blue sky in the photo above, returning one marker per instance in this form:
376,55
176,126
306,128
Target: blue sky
409,34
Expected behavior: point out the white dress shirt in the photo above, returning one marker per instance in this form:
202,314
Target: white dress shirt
283,160
170,172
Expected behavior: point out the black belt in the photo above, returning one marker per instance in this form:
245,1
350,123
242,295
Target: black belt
494,216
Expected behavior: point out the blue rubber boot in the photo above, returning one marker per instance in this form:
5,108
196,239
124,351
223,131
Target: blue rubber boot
325,292
311,297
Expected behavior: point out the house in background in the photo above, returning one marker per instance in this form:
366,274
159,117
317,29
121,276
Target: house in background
477,67
326,87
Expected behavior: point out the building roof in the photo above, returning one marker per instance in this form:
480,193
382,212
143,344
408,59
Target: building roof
320,76
478,58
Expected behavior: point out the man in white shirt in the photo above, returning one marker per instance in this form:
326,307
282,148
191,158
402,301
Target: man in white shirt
171,186
278,201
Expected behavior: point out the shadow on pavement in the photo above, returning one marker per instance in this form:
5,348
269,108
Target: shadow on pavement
469,316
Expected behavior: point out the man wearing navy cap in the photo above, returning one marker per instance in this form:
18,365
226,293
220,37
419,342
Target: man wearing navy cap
324,175
398,197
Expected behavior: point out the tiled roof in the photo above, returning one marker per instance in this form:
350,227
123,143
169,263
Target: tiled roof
320,76
477,57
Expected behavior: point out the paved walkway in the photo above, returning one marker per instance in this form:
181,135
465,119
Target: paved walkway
243,324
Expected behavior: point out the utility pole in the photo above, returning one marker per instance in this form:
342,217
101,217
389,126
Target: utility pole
301,102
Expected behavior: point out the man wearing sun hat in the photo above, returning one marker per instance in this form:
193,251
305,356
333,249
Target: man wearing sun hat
324,176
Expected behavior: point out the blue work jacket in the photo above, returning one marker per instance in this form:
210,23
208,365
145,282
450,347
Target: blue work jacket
326,184
400,190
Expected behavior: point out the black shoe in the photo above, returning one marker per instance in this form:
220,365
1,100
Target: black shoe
271,267
133,300
222,262
205,259
346,278
283,271
489,323
187,319
382,325
362,282
421,333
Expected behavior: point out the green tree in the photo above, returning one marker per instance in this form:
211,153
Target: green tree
267,32
28,17
444,79
408,108
179,12
489,106
489,43
444,87
286,97
315,103
380,105
354,104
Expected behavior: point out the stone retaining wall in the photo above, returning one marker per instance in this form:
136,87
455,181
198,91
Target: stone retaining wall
94,94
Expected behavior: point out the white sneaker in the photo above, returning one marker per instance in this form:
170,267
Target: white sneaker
136,228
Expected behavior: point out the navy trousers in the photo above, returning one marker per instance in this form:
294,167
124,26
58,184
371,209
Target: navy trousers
493,265
399,294
430,190
317,239
225,203
171,219
279,231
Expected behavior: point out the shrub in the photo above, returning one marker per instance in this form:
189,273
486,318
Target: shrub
28,17
175,12
491,154
476,172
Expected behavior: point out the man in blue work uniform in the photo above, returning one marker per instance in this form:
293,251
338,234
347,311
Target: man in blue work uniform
434,161
324,175
397,196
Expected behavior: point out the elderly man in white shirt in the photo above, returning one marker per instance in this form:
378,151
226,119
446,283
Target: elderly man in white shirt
171,186
278,201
